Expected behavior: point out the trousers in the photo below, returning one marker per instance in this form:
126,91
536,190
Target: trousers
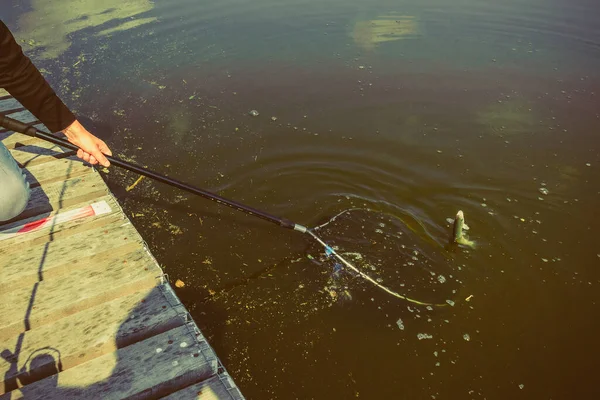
14,188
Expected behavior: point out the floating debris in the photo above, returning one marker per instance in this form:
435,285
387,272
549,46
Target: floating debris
441,279
588,164
129,188
543,190
273,119
422,336
400,324
467,337
521,386
450,302
179,283
254,113
469,298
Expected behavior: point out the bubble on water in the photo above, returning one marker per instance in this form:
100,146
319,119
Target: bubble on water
422,336
254,113
441,278
543,190
429,308
400,324
450,302
467,337
521,386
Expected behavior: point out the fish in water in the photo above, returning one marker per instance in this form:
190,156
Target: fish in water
458,234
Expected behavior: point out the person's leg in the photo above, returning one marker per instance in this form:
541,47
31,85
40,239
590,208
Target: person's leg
14,189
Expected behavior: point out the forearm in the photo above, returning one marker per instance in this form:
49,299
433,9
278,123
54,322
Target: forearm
25,83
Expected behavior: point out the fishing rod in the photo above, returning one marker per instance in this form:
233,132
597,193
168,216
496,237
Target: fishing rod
18,126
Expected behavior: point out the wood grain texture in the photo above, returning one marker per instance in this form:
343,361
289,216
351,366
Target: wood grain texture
47,301
86,311
60,170
215,388
146,370
92,333
38,153
12,139
55,258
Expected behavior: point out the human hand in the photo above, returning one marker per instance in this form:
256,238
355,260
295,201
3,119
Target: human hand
91,148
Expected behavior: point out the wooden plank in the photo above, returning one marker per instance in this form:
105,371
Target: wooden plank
60,257
58,171
56,196
155,367
102,281
39,153
24,116
92,333
58,231
6,105
12,139
217,387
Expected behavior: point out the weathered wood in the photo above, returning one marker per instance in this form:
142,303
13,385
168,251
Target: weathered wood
85,296
145,370
24,116
214,388
59,171
48,301
92,333
60,257
12,139
62,194
10,104
55,232
39,153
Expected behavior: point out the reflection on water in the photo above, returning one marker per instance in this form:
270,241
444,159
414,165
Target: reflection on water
487,107
49,25
386,28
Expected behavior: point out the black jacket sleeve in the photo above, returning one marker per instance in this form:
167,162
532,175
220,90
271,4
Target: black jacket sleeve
25,83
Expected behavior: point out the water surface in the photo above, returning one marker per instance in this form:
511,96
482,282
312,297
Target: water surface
414,108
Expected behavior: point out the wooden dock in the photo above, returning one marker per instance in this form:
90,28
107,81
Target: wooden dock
86,310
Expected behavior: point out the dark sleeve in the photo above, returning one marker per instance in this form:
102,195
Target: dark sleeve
25,83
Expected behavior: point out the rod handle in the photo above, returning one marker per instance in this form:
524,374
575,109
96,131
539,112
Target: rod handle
16,126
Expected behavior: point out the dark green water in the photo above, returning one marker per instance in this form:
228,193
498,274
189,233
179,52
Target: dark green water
419,108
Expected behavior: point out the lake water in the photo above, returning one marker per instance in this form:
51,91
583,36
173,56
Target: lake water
413,108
